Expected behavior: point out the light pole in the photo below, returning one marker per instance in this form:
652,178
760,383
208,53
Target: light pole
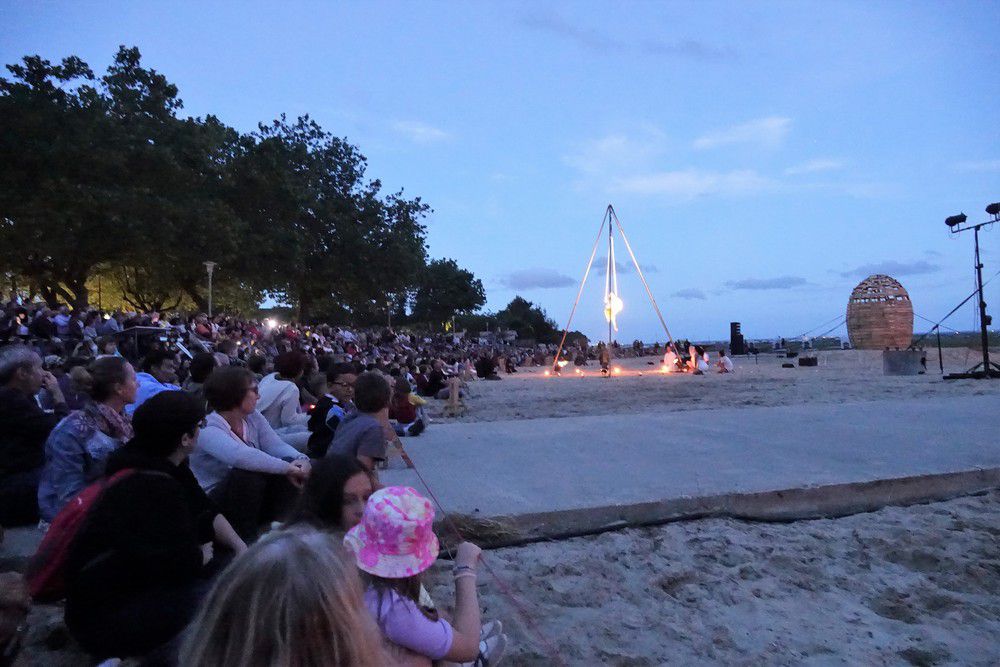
955,223
210,267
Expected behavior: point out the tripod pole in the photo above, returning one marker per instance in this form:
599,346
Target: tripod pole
611,267
940,357
987,370
583,282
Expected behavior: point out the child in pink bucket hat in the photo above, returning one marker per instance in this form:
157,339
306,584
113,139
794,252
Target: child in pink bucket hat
393,545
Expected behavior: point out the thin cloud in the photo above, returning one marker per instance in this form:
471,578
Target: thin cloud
782,282
600,266
690,293
769,132
977,165
691,183
616,152
602,41
893,268
419,133
814,166
525,279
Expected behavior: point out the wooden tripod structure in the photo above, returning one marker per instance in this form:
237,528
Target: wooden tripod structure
612,303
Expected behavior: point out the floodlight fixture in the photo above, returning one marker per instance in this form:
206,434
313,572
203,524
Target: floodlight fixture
955,220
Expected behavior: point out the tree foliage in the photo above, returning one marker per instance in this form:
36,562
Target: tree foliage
101,176
446,290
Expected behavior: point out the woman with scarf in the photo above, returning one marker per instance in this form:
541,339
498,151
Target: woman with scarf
79,446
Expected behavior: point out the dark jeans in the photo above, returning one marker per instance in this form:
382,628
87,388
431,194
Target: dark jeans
150,624
147,623
250,499
19,498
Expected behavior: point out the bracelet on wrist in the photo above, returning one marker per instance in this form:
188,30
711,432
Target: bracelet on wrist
459,568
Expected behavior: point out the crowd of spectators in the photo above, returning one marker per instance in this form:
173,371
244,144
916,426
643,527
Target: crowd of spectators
196,437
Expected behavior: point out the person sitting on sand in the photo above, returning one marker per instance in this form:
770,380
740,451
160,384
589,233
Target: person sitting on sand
242,464
724,364
393,544
79,446
405,408
24,427
142,560
280,400
294,598
334,498
363,433
331,409
670,359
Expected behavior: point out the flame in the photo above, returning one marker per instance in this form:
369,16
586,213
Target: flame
618,370
547,373
562,363
612,306
579,372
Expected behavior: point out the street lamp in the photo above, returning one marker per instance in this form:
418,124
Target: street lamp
955,223
210,267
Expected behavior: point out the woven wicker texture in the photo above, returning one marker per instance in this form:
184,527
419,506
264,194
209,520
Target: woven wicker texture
879,314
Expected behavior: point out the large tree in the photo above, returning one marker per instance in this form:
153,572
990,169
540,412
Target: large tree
100,177
324,237
446,290
103,173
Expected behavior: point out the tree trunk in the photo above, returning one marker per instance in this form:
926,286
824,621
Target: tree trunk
200,300
49,293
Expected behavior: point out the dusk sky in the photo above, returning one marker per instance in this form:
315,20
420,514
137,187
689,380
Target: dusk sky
763,157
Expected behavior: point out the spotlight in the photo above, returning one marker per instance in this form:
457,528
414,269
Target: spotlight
954,220
994,208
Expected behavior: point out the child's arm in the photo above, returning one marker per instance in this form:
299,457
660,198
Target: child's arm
467,624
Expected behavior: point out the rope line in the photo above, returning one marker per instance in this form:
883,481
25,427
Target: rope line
504,587
834,327
955,309
806,333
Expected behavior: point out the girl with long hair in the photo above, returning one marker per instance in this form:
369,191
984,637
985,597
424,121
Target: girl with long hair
292,600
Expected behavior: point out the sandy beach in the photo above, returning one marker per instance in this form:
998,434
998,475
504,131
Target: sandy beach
904,585
917,585
842,376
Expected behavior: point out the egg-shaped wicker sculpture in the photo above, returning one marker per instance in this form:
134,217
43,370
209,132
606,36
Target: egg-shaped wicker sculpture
879,314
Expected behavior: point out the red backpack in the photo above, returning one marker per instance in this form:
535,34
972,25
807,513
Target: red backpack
46,573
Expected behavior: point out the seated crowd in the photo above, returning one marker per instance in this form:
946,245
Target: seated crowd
152,477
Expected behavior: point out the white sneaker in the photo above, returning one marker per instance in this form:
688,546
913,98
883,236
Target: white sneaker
491,628
491,651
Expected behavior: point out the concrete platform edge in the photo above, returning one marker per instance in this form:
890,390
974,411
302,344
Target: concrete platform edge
783,505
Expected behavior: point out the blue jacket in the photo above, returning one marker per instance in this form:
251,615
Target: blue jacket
149,387
75,455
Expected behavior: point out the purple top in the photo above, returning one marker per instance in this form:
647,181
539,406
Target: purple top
402,623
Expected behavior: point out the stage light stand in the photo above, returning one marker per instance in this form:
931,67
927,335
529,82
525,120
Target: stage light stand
990,369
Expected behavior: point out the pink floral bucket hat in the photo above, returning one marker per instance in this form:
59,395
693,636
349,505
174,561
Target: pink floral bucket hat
395,538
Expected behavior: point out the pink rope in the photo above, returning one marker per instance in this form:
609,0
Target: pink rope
504,587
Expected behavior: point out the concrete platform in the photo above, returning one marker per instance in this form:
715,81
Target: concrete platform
515,481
